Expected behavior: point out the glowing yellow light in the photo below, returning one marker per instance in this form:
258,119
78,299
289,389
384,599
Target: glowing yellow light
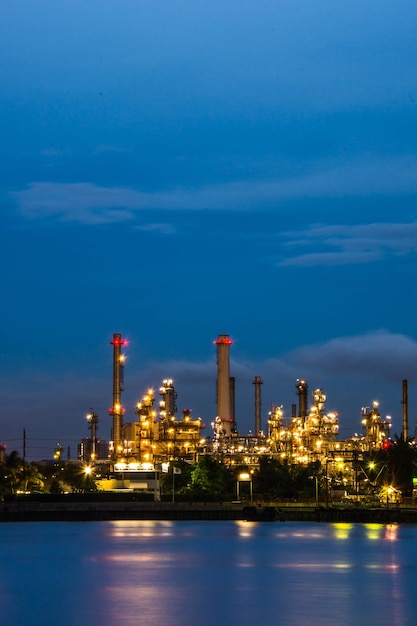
374,531
342,530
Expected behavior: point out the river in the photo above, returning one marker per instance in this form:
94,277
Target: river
207,573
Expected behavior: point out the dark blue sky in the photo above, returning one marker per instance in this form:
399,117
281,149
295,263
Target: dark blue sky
175,170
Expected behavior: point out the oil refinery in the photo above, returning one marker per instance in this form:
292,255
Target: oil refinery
158,436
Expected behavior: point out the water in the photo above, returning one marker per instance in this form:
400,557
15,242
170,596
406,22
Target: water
201,573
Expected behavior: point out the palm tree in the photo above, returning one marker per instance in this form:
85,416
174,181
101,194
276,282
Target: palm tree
12,468
30,476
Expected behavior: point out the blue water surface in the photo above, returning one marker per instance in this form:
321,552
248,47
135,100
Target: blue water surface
200,573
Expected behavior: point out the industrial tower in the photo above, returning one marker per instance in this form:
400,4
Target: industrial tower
117,410
257,381
224,396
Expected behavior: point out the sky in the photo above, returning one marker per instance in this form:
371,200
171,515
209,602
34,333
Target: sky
176,170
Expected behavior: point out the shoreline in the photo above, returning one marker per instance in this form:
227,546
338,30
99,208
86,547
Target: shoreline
165,511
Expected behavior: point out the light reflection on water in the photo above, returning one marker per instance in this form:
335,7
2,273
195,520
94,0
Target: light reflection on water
147,528
200,573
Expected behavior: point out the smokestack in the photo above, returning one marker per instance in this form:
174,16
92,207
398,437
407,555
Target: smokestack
224,405
117,410
405,410
302,389
258,382
232,403
92,419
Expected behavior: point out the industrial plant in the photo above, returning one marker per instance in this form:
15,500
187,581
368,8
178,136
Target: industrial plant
158,437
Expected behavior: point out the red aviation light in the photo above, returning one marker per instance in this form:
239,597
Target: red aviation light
223,341
118,342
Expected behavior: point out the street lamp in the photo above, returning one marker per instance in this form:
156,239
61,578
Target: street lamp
389,491
175,470
244,477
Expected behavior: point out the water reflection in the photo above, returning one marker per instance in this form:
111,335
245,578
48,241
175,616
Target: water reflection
245,529
152,557
188,573
391,532
148,604
374,531
342,530
143,528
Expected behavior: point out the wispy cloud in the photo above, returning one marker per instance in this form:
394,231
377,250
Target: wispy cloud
106,148
163,229
378,355
91,204
348,244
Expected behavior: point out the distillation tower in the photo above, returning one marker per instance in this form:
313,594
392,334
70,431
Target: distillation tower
375,426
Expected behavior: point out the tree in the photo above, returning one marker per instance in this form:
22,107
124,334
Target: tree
78,479
274,479
182,480
400,456
11,470
30,476
209,477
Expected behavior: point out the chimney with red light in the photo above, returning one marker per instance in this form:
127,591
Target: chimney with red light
118,386
224,401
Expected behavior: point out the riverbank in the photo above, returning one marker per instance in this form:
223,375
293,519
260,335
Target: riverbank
106,511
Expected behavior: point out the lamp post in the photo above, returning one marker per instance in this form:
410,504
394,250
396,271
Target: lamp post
327,483
175,470
244,477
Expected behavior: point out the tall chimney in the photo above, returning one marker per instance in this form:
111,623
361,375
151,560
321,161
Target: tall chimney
117,410
258,382
302,389
224,408
405,410
232,403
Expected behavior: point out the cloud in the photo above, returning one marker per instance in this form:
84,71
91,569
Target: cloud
163,229
378,355
53,152
92,204
106,148
347,244
77,202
